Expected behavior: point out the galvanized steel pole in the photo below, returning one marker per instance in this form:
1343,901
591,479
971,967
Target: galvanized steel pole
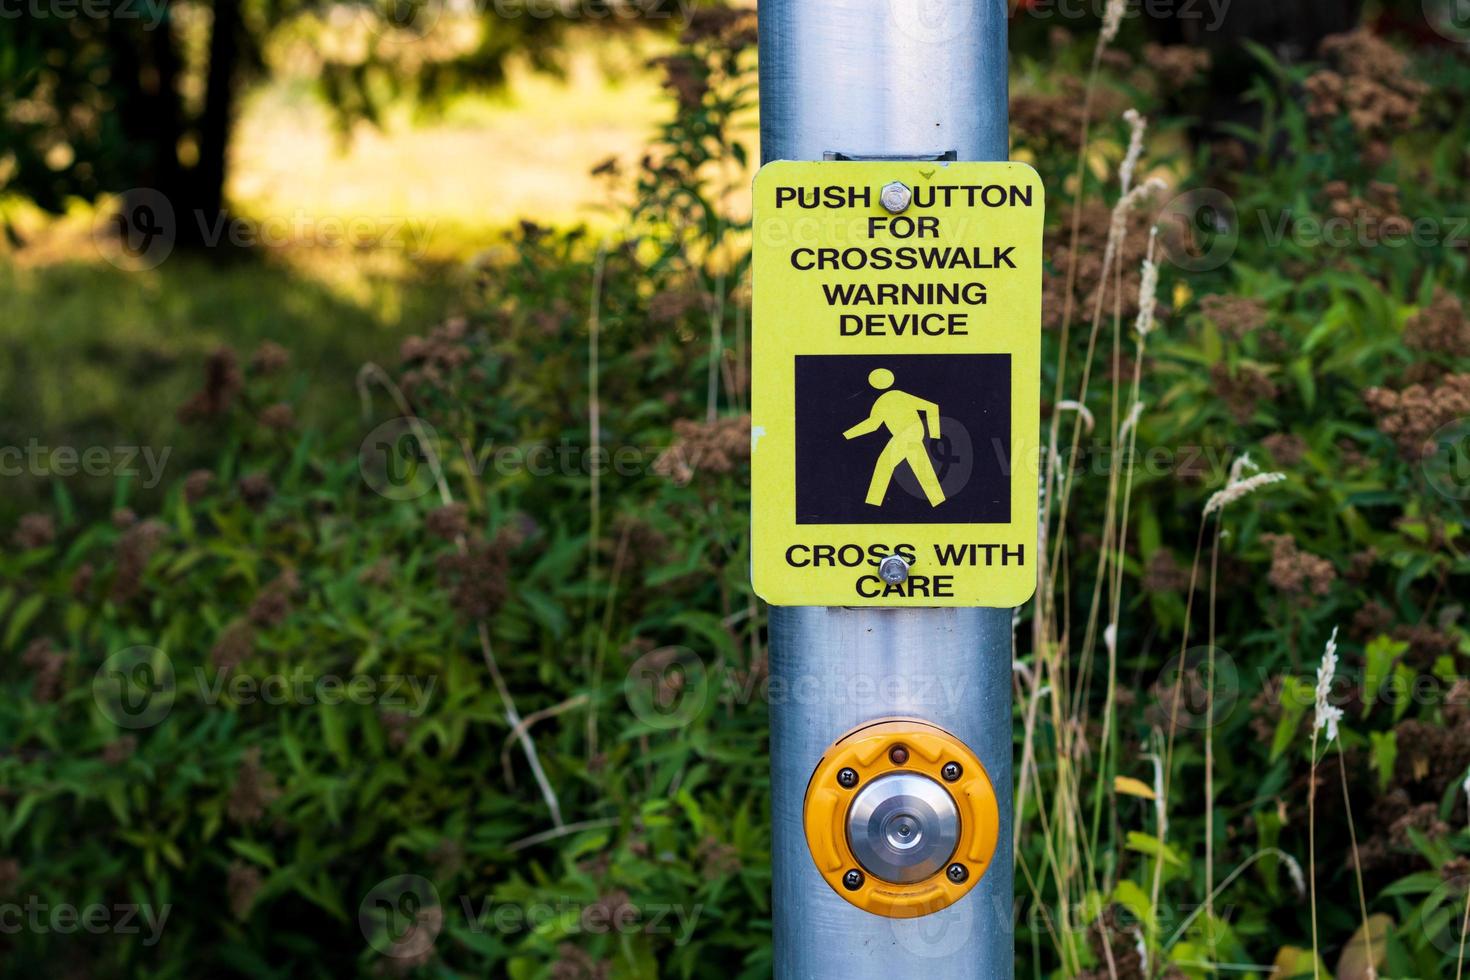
874,79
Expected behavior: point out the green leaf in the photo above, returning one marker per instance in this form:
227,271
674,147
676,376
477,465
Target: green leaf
1380,656
1131,896
335,722
1385,749
29,608
1153,847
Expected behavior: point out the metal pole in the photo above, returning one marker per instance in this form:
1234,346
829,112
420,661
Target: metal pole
875,79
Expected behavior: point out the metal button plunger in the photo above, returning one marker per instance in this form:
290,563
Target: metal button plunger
903,827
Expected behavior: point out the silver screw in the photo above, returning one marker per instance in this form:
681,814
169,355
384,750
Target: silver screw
896,197
893,570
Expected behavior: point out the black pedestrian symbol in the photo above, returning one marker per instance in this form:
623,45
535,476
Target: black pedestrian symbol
903,439
910,421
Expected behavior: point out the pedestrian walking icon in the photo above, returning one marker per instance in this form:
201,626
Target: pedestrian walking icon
868,443
910,421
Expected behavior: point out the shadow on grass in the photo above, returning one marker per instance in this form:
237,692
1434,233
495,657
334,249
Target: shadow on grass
96,356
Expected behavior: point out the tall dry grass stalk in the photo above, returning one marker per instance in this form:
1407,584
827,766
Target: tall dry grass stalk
1078,799
1325,717
1465,921
594,504
1210,750
1052,692
1347,803
370,373
1237,486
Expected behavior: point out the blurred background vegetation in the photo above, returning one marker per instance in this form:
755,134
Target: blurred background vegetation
550,269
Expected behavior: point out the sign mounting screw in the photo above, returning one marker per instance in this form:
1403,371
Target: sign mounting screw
895,197
893,570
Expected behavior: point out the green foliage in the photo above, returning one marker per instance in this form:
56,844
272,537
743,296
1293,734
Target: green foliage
1294,308
265,806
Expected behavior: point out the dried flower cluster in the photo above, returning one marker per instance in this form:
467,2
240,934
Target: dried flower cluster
46,664
1440,328
235,645
1286,448
1374,217
269,358
475,577
280,417
1295,572
717,447
1412,416
1398,819
1242,390
574,963
1052,121
1369,83
134,549
448,522
223,382
1177,65
1132,250
1233,316
430,361
254,790
256,490
273,603
34,531
241,886
1433,756
197,484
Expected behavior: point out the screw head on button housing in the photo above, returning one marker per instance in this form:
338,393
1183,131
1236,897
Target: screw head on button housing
951,772
853,880
903,850
847,778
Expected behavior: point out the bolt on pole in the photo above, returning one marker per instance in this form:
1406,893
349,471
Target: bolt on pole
886,80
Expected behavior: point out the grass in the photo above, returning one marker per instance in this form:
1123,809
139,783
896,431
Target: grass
99,356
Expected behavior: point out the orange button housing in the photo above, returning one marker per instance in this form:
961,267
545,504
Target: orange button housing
866,750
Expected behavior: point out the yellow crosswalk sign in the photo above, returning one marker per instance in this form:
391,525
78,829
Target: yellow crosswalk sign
896,351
